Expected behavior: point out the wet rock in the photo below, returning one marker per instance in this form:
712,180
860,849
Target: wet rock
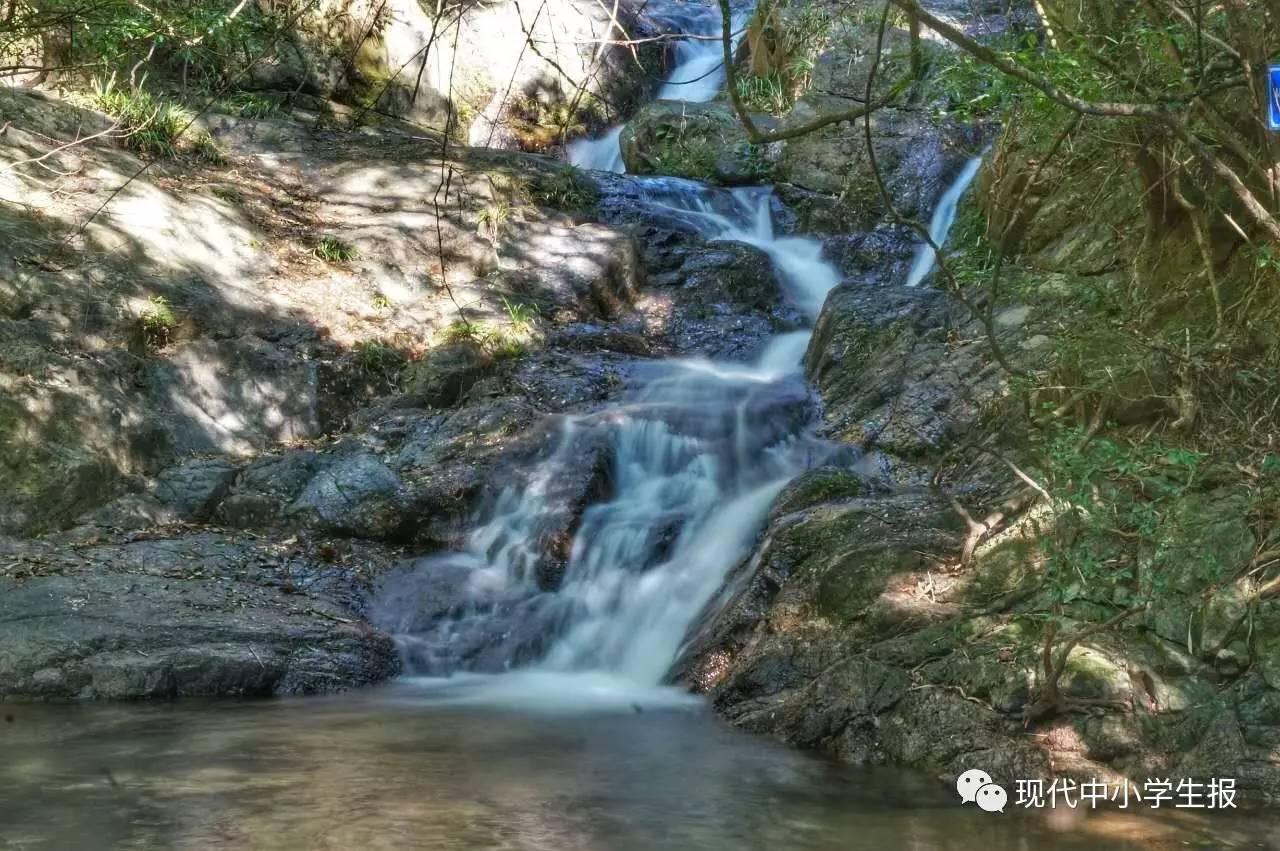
741,274
879,256
265,487
179,617
915,155
589,337
889,373
358,495
700,141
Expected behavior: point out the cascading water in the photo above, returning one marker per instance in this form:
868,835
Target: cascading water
697,77
944,216
698,451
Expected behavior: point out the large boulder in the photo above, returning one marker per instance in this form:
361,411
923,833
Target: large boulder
369,54
890,375
914,154
732,272
196,616
357,495
700,141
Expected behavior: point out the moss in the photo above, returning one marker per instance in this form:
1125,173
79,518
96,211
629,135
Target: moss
442,377
1001,570
824,484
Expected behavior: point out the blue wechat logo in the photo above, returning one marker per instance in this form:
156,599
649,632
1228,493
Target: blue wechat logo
1273,97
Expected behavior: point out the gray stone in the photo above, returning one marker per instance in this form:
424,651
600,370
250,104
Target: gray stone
357,495
180,617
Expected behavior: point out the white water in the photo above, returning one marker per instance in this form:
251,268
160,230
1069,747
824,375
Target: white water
944,215
697,77
602,154
698,449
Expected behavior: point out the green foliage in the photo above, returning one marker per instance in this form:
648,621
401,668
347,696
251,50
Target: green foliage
783,38
764,94
498,343
687,156
151,124
564,188
201,43
492,219
157,321
683,150
521,314
975,92
541,125
377,359
252,104
331,249
1115,499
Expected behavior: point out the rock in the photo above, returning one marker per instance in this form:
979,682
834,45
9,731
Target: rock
265,487
189,491
841,71
915,155
881,361
741,274
357,495
176,618
194,489
587,271
700,141
445,374
236,396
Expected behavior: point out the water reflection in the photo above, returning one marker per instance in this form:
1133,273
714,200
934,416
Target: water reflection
394,769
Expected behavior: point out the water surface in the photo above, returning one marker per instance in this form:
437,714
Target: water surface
408,767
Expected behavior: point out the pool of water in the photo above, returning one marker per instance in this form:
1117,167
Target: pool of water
413,767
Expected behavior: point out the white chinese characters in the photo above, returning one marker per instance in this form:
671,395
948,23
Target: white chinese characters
1218,793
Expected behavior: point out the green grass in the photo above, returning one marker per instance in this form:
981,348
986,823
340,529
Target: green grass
521,314
376,358
151,124
158,322
333,250
565,189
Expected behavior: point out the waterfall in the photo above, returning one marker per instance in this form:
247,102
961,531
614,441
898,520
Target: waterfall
698,450
944,215
697,77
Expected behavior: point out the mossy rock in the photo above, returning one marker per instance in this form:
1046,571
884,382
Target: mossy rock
840,556
813,487
1002,569
445,374
699,141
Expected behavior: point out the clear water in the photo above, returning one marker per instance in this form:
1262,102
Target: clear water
395,768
